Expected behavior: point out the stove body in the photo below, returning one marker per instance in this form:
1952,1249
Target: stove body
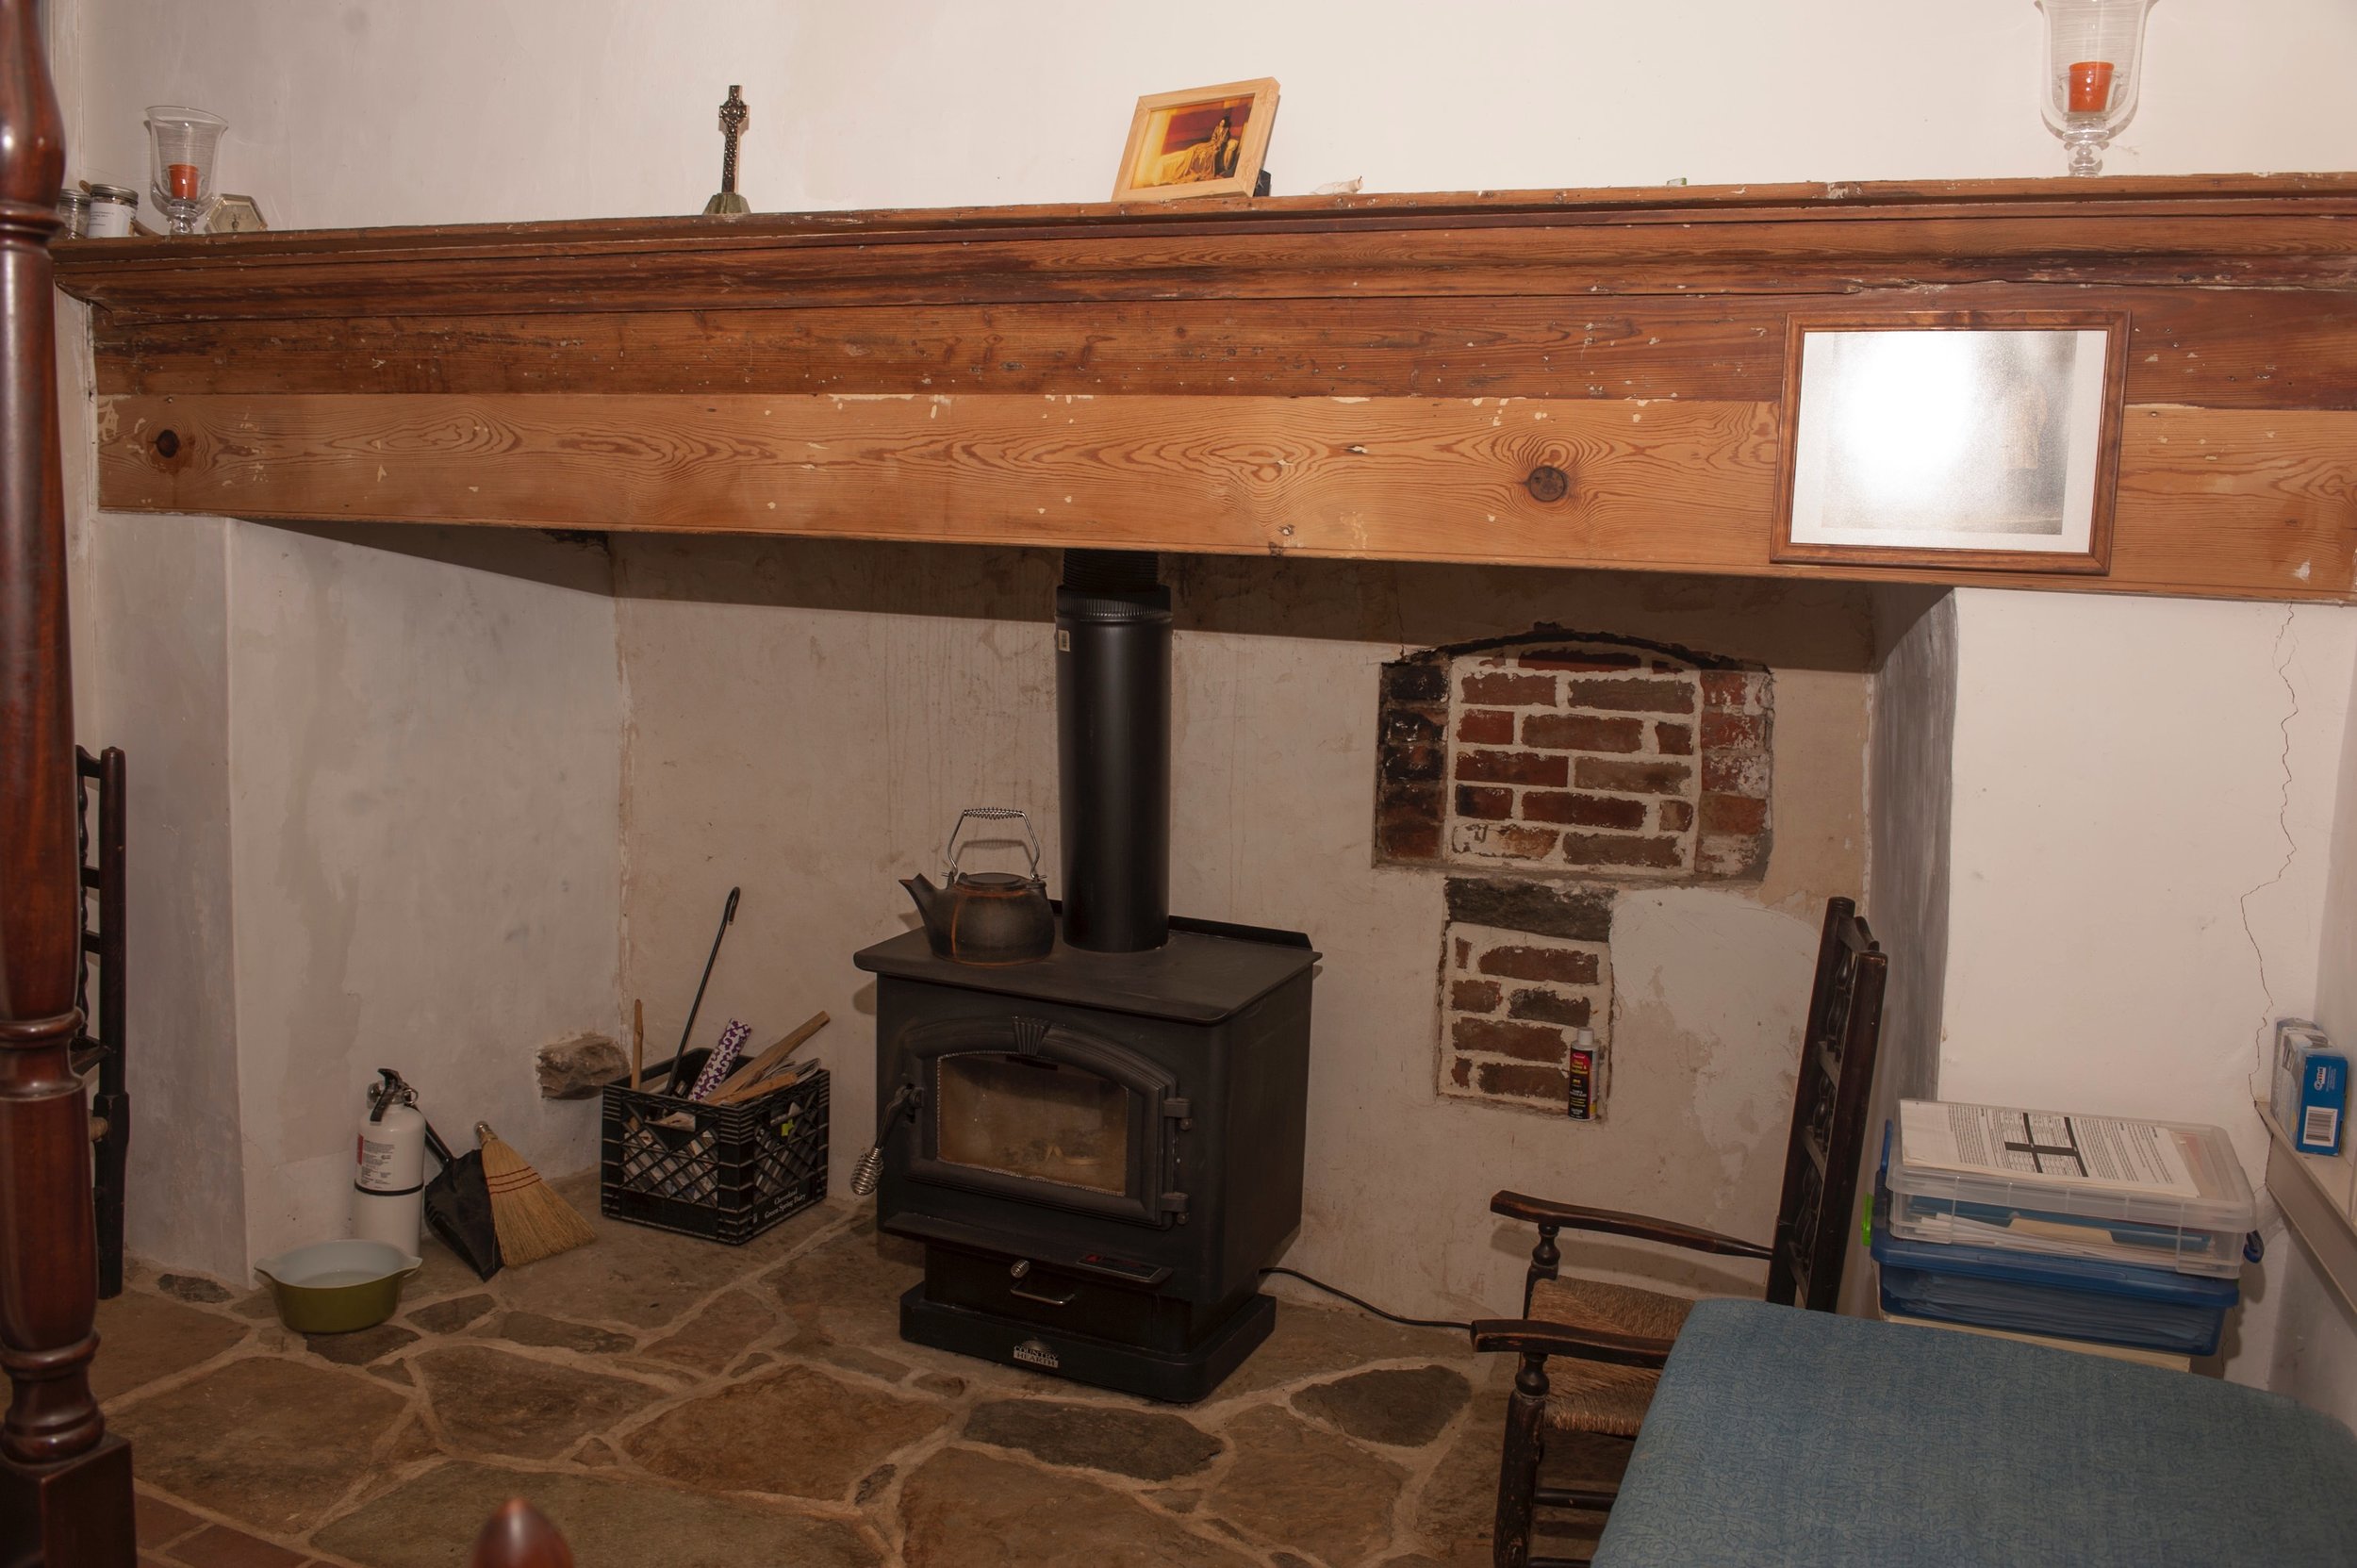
1106,1149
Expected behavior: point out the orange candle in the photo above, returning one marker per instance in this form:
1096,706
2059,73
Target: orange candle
182,177
2090,86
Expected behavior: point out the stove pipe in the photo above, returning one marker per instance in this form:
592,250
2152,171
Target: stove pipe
1112,749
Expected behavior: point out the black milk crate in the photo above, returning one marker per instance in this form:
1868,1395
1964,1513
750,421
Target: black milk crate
728,1173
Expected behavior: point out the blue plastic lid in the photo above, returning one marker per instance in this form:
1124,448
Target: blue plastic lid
2090,1275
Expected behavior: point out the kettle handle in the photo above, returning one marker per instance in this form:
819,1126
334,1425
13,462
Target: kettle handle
995,813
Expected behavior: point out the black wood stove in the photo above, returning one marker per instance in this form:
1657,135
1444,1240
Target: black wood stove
1101,1150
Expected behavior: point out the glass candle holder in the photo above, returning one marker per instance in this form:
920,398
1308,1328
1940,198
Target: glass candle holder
2094,56
182,143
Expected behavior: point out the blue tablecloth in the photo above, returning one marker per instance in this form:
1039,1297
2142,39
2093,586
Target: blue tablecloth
1781,1436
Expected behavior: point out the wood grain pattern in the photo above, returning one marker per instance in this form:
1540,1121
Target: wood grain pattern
2252,231
1431,478
2220,348
2235,502
887,374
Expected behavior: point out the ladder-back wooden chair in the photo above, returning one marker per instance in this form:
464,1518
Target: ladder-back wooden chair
1608,1340
98,1050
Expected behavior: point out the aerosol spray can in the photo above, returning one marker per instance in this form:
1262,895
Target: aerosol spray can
387,1190
1591,1071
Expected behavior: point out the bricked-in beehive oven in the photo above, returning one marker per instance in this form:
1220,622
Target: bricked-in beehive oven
1585,757
1590,755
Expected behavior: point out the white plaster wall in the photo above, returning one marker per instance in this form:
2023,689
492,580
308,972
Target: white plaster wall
420,112
2312,1353
2143,820
424,811
807,720
1910,785
150,661
155,621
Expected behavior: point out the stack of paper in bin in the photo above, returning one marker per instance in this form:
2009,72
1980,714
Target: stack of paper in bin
2163,1195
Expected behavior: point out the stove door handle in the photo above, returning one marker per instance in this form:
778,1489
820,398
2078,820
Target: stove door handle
1046,1298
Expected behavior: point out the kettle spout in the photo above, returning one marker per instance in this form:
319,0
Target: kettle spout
927,897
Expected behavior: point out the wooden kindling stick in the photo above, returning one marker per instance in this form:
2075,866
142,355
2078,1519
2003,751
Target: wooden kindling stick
745,1082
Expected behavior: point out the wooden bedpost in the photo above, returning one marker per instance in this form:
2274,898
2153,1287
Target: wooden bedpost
65,1486
520,1536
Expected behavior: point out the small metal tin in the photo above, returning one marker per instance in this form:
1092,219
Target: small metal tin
111,210
73,214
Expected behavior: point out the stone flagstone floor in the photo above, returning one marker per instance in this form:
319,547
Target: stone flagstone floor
676,1404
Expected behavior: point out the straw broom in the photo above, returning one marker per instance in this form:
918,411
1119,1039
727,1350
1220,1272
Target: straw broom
532,1221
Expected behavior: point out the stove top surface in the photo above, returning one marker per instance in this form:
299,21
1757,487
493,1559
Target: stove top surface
1205,972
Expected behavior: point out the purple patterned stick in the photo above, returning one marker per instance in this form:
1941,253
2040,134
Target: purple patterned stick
724,1057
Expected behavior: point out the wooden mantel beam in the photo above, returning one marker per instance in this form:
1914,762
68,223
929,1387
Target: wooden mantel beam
2275,230
1369,377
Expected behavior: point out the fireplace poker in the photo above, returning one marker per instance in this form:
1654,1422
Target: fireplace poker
679,1057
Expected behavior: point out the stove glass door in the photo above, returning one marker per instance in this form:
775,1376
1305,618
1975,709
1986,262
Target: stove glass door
1038,1120
1043,1113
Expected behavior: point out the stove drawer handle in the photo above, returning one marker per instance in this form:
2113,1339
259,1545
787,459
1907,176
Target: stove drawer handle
1046,1298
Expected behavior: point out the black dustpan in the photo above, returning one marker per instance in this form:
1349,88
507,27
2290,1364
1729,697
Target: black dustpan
458,1207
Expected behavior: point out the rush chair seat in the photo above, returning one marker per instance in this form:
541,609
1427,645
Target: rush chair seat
1608,1341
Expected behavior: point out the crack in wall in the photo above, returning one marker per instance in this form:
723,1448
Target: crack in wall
2283,826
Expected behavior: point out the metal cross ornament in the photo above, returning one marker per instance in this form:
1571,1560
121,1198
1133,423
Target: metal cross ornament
734,116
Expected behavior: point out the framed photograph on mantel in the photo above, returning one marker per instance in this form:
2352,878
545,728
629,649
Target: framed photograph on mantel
1986,438
1208,142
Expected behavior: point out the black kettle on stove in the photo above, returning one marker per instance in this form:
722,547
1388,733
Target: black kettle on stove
987,916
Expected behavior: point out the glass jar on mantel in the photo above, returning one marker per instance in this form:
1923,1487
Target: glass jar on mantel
182,146
2094,59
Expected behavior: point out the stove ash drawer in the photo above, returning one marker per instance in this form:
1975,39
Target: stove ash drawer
1053,1298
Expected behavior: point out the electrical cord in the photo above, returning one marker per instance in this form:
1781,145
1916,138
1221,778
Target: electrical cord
1369,1306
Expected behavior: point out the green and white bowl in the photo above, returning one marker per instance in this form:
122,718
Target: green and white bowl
337,1287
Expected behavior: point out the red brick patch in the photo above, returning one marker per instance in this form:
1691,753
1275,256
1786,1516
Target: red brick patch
1737,814
1583,660
1487,727
1514,768
1735,773
1726,689
1583,811
1474,995
1546,1007
1644,695
1728,731
1587,849
1510,691
1579,731
1524,1081
1674,740
1489,805
1636,778
1676,816
1529,1042
1555,964
1528,843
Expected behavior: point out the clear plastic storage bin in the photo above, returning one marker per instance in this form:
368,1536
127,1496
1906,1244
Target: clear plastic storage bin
2198,1231
2031,1293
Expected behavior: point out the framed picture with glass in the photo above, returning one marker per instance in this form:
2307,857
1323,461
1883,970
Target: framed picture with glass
1986,438
1205,141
